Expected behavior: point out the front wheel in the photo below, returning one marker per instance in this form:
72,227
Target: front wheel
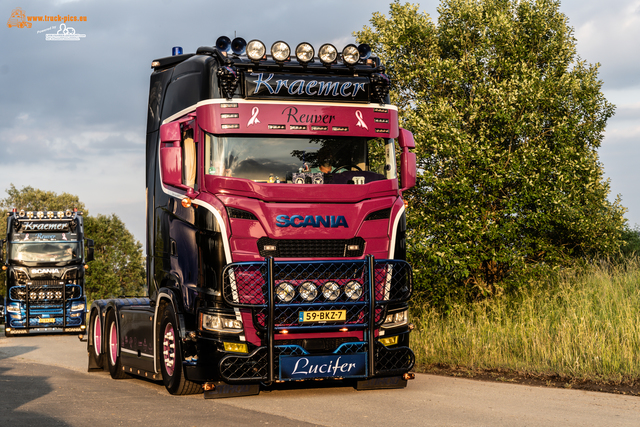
171,365
113,347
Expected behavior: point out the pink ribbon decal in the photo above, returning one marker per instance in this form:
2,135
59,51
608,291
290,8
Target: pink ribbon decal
254,119
361,122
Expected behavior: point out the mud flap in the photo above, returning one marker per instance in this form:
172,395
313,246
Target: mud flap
223,390
93,365
381,383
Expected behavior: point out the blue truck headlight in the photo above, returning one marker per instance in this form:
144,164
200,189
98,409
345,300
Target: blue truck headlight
220,323
77,306
13,308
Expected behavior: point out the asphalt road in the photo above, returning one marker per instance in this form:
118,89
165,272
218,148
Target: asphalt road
44,381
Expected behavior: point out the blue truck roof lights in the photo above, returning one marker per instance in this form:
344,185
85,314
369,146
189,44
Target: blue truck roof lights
177,50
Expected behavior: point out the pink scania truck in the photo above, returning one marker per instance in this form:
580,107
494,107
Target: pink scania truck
275,225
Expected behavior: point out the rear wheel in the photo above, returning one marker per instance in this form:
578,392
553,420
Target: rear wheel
171,364
95,336
113,347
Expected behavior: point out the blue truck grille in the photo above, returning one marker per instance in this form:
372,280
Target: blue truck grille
44,292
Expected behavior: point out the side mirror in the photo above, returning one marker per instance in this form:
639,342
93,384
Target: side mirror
405,139
89,256
171,155
407,160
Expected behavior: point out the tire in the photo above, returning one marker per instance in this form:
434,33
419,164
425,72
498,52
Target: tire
112,347
96,340
171,356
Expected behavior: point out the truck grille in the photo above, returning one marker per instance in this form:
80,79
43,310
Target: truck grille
317,286
44,291
310,248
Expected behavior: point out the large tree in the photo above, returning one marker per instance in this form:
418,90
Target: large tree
118,268
507,120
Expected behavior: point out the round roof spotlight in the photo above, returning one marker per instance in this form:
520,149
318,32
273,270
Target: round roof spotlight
353,290
304,53
223,43
60,214
365,51
49,214
308,291
350,54
256,50
280,51
327,53
29,214
21,213
40,214
285,292
238,46
331,291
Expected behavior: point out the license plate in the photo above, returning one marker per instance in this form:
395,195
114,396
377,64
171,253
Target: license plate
47,320
322,316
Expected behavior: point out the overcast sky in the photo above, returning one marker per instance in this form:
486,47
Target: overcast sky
73,113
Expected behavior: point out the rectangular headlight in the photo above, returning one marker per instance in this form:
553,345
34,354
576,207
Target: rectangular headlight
396,319
13,308
220,323
77,306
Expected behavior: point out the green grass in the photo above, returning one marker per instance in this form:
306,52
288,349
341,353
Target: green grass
584,327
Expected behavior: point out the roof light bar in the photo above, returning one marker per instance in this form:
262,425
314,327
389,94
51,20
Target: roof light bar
305,53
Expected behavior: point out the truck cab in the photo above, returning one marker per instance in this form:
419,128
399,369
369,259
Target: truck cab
275,225
45,268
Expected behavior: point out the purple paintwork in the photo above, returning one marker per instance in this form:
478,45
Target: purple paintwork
168,349
299,119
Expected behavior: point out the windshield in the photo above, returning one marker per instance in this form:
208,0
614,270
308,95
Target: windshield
297,160
43,251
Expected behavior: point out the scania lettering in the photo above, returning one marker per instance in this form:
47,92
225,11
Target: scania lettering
45,272
275,226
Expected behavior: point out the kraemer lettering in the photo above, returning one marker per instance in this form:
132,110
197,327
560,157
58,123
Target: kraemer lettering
30,226
263,85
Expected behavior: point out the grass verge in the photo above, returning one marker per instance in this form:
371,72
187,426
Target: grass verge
586,328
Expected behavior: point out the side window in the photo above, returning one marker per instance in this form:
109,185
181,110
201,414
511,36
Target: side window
189,156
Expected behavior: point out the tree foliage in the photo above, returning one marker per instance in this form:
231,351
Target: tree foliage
118,268
507,121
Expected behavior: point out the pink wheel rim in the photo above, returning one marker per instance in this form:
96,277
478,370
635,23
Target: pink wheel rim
169,349
97,335
113,343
